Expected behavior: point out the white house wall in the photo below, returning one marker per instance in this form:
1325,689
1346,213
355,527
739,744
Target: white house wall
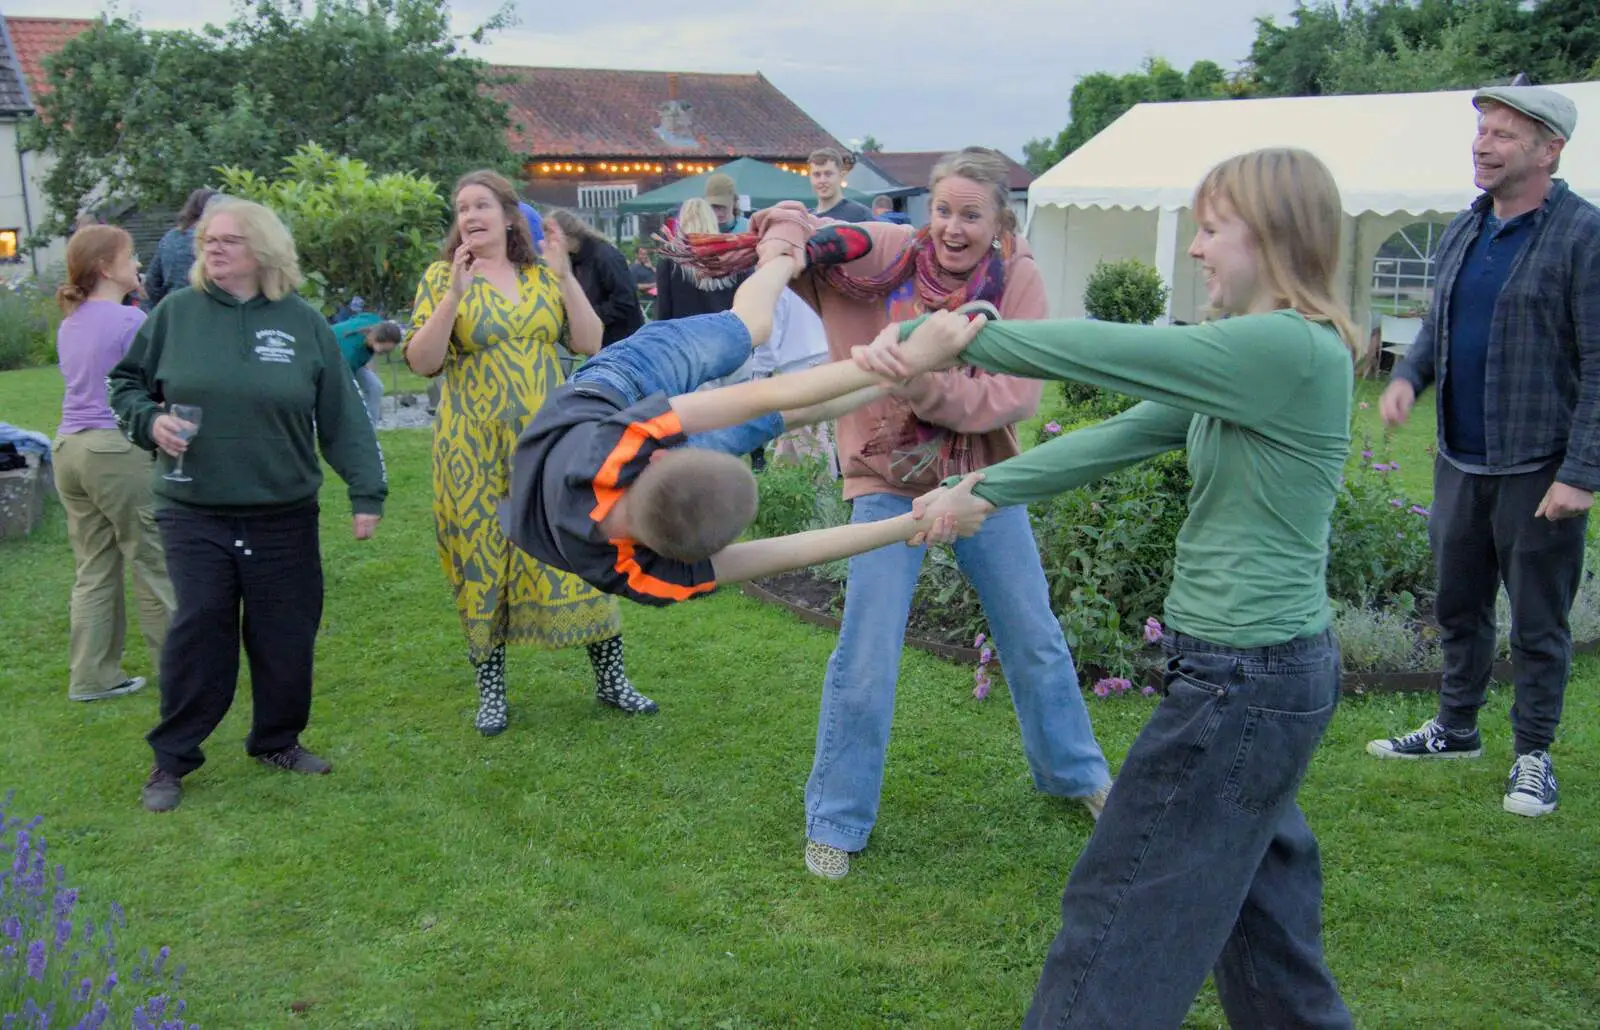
13,212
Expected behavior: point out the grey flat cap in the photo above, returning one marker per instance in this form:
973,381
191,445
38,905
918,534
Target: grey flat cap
1545,106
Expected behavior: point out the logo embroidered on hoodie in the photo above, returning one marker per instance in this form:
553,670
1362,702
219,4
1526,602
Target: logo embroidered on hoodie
274,345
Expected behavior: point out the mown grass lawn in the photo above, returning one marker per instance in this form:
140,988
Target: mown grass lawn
590,870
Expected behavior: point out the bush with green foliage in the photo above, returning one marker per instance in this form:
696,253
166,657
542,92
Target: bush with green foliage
28,321
357,235
1125,291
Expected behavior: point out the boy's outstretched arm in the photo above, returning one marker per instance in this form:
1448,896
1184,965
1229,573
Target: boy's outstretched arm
705,410
827,411
754,559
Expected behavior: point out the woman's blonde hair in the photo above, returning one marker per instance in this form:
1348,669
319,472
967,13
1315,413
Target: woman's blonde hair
986,168
1290,203
90,252
266,236
695,215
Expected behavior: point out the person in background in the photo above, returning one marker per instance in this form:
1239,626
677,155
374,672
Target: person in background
361,338
798,342
680,295
1513,344
240,522
169,269
723,196
602,271
102,478
883,210
644,274
535,223
487,320
827,182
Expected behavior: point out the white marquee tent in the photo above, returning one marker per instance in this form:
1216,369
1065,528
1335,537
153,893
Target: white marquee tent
1398,159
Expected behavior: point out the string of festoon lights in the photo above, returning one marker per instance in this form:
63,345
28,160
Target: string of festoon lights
657,168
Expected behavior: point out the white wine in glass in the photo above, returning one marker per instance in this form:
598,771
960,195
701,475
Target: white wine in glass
188,416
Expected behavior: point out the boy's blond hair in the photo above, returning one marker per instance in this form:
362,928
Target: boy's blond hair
691,503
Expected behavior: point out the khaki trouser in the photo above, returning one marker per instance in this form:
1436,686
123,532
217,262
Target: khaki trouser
104,483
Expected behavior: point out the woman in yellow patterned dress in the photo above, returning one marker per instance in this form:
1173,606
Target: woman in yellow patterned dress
488,316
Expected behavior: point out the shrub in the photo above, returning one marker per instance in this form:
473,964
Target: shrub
58,968
28,321
357,235
796,496
1125,291
1379,539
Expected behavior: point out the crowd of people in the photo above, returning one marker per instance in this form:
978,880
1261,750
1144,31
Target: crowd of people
189,454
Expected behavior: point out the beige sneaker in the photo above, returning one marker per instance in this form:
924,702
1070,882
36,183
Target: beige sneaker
1096,802
827,861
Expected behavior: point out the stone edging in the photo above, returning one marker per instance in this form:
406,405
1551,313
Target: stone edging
1353,682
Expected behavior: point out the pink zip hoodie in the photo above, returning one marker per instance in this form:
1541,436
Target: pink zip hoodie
942,423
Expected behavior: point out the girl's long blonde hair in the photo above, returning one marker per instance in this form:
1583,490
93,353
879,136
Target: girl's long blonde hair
1291,204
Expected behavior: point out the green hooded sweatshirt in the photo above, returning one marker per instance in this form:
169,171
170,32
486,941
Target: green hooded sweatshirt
268,378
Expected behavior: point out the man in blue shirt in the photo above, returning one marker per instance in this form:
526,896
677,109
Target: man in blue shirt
535,223
1513,341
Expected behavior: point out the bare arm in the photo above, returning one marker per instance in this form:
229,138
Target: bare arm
827,411
584,328
706,410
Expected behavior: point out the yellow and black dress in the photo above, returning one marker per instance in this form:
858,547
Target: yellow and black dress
500,364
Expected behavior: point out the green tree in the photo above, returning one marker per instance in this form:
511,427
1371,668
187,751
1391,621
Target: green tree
356,235
146,116
870,144
1129,291
1101,98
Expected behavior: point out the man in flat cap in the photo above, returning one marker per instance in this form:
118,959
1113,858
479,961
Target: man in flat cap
1512,342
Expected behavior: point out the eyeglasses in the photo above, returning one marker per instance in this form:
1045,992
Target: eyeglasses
229,241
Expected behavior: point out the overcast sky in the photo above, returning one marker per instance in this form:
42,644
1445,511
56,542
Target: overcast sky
918,75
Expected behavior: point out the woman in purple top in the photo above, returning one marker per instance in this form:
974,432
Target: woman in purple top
103,479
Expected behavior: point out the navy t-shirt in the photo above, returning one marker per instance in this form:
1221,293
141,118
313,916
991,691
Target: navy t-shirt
1483,274
572,464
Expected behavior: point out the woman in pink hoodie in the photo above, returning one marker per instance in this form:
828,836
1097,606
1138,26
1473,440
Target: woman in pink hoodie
860,278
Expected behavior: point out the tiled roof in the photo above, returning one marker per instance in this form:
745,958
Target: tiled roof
13,94
594,112
34,39
912,167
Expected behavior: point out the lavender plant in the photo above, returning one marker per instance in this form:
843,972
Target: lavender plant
59,968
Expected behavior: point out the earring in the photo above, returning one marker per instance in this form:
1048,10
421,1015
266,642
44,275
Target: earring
995,243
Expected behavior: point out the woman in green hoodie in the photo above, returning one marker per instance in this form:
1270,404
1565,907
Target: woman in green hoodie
239,521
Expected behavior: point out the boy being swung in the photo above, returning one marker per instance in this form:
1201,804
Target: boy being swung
628,478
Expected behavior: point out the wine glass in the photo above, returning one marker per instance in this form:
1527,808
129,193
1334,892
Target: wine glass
188,417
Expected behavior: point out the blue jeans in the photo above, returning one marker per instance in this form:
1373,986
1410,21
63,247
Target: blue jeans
679,356
1203,860
1002,562
371,392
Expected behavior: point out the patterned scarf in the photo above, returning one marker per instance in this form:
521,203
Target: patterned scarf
717,259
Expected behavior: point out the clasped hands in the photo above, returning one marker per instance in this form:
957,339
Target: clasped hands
935,344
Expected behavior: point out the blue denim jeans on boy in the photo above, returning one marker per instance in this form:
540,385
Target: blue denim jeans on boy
1203,861
1002,563
679,356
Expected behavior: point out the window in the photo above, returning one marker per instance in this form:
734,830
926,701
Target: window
10,244
598,203
1402,271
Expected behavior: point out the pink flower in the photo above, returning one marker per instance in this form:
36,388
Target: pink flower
1381,467
1417,509
981,690
1149,691
1121,685
1102,688
1395,502
985,655
1152,630
1052,428
979,641
1366,455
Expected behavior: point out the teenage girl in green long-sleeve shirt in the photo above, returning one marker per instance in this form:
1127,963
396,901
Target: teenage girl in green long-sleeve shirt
1202,861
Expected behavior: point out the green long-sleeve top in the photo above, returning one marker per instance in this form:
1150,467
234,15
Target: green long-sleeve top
271,384
1262,404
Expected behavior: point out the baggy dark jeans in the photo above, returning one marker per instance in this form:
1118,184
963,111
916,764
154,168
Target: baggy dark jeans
1203,861
1483,534
271,566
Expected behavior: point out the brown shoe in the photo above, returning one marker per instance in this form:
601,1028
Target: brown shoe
162,791
295,758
